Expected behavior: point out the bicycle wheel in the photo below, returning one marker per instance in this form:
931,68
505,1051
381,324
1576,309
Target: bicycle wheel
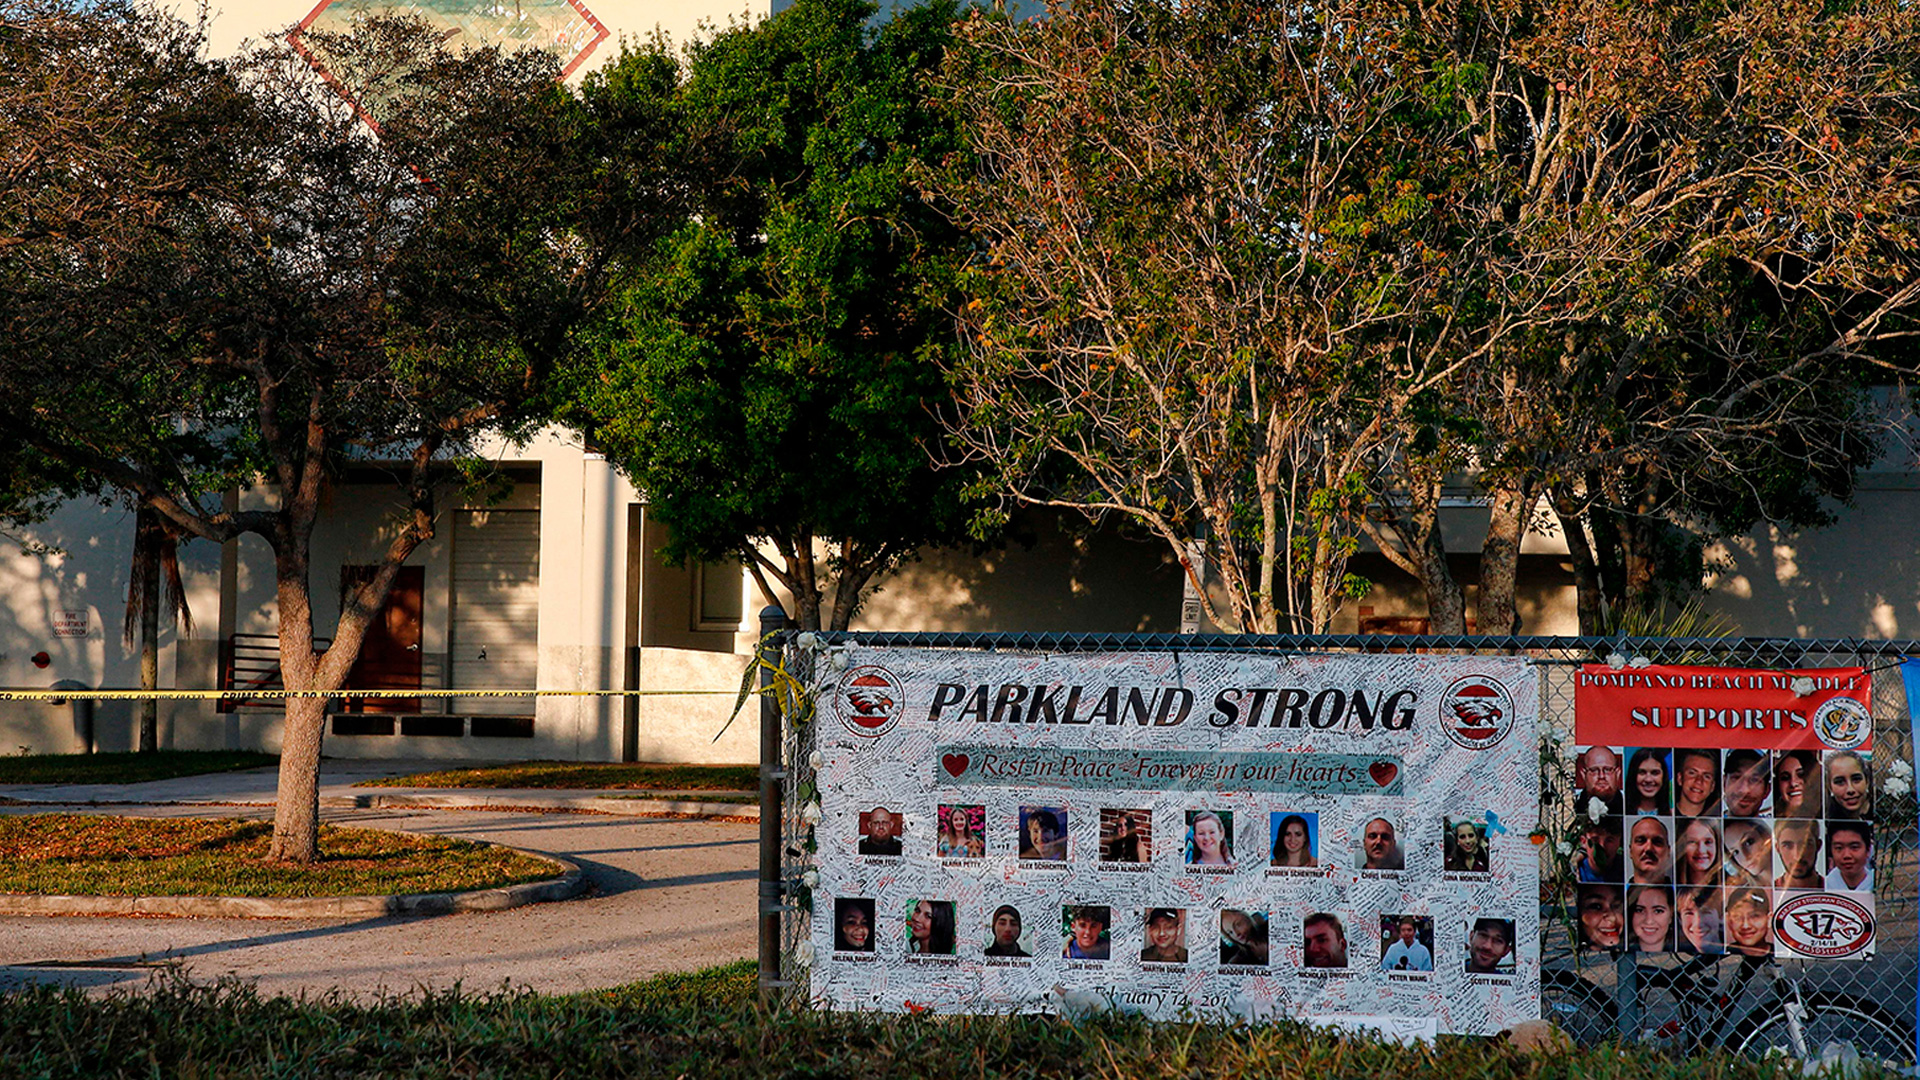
1876,1034
1578,1007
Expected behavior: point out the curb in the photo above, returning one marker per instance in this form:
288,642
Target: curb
571,883
597,803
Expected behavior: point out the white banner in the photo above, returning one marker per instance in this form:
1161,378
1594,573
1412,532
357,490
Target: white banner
1260,836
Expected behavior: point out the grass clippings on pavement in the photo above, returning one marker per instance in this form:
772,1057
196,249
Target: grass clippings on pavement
125,768
584,775
89,855
684,1027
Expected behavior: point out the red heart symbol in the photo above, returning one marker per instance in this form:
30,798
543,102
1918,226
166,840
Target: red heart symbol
1383,772
955,764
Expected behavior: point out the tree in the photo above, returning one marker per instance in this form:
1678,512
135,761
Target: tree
1694,210
1277,275
773,372
222,276
1211,240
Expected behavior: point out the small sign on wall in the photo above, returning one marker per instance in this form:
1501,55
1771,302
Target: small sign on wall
70,624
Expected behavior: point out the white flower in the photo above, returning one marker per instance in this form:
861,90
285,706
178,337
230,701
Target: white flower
838,657
811,813
815,761
1616,661
1563,848
811,879
1639,662
1896,787
807,640
1900,768
803,954
1802,686
1595,809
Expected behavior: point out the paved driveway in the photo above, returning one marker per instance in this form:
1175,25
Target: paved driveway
668,895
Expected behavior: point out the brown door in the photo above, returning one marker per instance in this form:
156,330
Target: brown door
390,655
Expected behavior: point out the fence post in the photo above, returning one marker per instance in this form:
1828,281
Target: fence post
772,776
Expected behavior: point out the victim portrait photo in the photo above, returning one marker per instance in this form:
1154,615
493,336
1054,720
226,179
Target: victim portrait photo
1464,845
930,928
1209,838
1295,838
1406,943
1006,931
1243,938
1126,836
879,832
1166,936
1087,930
1043,833
853,924
963,832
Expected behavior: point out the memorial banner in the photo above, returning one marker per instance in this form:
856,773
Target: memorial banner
1323,837
1725,810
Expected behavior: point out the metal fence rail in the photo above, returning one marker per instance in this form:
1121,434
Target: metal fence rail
1678,1001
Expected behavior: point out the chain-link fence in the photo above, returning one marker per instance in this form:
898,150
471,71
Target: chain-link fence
1699,993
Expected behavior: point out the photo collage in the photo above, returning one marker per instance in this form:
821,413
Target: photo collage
1272,851
1693,850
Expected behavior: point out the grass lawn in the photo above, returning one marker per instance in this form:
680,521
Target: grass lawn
705,1026
125,768
87,855
569,774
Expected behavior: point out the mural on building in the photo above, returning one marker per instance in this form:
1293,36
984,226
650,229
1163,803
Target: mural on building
564,27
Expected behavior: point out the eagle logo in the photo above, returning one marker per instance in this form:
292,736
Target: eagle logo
1824,925
1476,712
870,700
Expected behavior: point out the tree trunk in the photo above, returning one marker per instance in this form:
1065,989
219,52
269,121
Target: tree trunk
296,808
1500,558
1589,602
1446,601
150,663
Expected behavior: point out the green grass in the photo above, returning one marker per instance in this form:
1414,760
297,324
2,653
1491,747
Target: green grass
84,855
729,986
125,768
569,774
705,1026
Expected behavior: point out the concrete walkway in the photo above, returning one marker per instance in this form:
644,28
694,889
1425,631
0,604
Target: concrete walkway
667,894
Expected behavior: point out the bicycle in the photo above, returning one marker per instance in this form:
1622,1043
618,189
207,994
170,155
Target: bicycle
1690,1005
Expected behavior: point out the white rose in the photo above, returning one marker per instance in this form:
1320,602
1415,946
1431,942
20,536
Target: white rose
1616,661
1896,787
811,879
815,761
1595,809
1563,848
1802,686
811,813
807,640
1639,662
803,953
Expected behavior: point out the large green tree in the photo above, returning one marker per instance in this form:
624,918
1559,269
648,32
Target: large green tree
222,277
1211,237
1697,208
1263,276
774,372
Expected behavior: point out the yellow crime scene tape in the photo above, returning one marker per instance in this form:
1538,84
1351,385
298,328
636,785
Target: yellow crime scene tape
174,695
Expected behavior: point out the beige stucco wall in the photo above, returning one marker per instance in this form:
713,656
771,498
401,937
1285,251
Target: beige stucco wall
1049,576
1859,577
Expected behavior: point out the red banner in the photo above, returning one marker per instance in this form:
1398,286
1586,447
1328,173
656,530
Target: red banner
1723,708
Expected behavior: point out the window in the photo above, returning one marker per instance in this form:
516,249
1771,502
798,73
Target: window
717,602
